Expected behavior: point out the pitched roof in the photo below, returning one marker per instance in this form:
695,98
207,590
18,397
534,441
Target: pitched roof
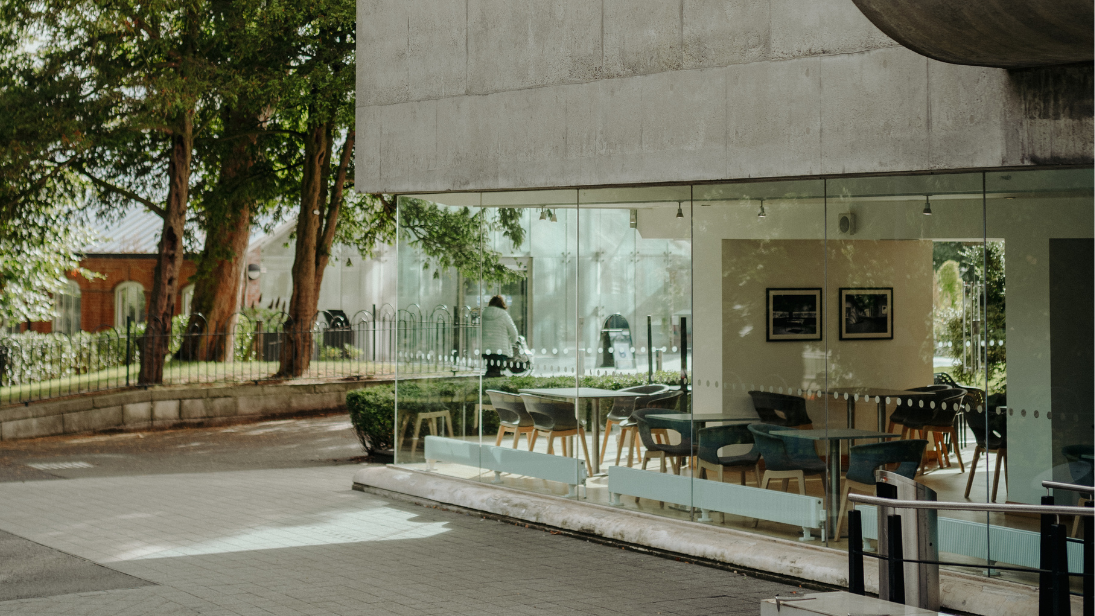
138,232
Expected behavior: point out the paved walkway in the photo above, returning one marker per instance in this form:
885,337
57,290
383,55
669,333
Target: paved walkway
299,541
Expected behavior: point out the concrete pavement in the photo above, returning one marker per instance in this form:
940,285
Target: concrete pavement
247,540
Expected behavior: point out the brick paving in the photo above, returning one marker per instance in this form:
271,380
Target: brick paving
299,541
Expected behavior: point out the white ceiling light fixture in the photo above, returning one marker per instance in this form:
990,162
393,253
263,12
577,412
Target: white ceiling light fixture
680,212
554,218
543,214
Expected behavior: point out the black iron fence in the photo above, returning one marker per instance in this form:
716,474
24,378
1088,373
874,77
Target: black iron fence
42,366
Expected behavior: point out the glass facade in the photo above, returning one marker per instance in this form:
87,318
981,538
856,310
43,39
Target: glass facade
702,351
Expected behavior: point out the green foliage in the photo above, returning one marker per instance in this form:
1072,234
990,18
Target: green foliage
372,410
991,285
32,357
38,247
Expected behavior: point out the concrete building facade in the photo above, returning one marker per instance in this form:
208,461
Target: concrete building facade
786,152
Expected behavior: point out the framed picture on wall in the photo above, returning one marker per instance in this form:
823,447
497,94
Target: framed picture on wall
793,314
866,313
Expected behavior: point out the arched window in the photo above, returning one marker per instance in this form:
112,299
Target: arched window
187,294
128,302
67,308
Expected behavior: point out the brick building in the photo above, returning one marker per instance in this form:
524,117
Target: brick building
125,257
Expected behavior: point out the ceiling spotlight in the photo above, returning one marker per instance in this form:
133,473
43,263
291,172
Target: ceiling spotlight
554,218
543,214
927,205
761,213
680,212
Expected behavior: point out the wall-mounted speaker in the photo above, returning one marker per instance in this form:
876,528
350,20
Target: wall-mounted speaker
846,224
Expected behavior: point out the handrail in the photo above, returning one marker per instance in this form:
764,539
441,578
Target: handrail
993,507
1056,485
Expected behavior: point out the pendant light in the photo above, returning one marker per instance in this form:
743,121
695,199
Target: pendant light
927,205
680,212
761,213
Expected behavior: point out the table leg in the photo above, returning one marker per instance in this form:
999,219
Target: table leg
833,502
881,415
851,412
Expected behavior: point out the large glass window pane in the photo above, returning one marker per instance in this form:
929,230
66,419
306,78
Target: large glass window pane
759,355
1038,349
905,270
634,316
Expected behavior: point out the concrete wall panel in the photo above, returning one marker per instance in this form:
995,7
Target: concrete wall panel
821,27
642,36
684,125
721,33
782,136
966,114
603,136
517,44
410,50
874,112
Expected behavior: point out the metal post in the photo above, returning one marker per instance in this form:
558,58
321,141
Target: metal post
374,333
1089,563
128,326
650,350
1061,602
894,555
855,553
1045,562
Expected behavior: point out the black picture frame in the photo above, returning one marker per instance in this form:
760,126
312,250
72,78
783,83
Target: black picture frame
793,314
866,313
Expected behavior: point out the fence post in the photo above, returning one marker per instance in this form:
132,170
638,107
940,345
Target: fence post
1045,562
1061,601
1089,563
895,556
128,326
855,552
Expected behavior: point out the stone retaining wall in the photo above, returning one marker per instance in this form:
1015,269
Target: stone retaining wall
164,407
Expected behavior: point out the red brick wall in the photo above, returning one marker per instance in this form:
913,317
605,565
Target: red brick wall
97,296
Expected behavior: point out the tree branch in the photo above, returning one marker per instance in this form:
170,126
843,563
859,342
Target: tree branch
128,194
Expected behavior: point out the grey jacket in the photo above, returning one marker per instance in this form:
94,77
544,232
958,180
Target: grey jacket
499,332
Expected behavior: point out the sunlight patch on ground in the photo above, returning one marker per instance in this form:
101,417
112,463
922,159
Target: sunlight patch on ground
379,524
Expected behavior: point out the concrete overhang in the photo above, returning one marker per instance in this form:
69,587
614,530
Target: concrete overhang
997,33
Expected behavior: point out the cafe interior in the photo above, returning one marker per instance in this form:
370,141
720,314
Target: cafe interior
745,355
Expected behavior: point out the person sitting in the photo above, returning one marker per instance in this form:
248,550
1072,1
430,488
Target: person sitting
499,336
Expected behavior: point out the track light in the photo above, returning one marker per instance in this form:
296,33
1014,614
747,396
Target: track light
680,212
543,214
761,213
554,218
927,205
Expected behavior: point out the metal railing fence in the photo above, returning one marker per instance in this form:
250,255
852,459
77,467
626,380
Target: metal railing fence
36,367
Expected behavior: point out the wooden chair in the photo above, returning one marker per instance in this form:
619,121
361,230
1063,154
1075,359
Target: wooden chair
555,419
863,460
994,440
942,427
786,460
781,410
666,400
676,453
512,416
712,439
622,408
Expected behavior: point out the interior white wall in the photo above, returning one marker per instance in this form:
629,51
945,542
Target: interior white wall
1024,223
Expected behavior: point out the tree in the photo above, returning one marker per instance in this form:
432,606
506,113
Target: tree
982,269
141,79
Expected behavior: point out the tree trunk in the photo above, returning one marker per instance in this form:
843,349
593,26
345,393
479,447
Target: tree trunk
296,348
220,268
165,282
313,253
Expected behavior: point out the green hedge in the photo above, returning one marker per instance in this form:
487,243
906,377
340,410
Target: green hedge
372,409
